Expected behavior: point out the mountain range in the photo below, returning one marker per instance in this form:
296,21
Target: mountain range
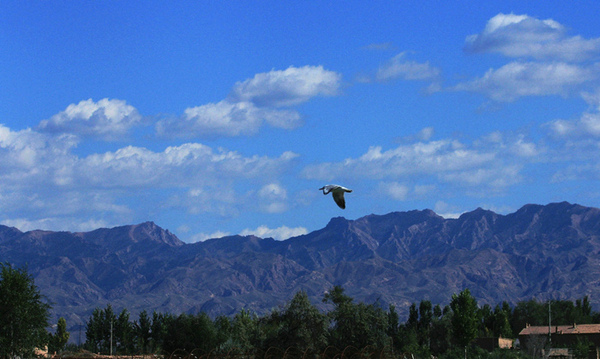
539,251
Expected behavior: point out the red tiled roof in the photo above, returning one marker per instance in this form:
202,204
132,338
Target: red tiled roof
562,329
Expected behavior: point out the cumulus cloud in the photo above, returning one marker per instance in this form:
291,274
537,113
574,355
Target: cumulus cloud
287,87
524,36
190,164
226,119
549,60
30,158
519,79
106,119
253,103
400,67
43,178
279,233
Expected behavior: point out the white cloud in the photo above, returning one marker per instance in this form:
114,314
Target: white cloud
406,160
519,79
494,177
287,87
524,36
29,157
201,237
272,198
43,181
488,165
106,119
587,125
399,67
394,190
254,103
73,224
190,164
226,119
446,210
279,233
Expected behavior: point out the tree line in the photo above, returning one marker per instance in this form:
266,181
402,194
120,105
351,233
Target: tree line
430,329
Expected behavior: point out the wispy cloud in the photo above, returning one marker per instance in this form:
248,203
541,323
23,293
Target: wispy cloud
493,162
520,79
401,68
588,125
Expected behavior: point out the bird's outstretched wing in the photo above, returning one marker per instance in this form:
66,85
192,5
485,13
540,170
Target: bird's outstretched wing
338,197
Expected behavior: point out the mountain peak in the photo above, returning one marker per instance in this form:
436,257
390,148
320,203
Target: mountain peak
150,231
121,237
337,222
8,232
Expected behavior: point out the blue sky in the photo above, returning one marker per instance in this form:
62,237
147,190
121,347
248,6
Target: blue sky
216,118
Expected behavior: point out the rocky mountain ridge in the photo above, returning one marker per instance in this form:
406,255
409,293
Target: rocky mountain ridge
542,251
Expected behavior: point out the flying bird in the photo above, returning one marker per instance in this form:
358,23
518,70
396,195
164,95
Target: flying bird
337,192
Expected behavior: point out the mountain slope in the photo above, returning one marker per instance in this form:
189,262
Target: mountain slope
539,251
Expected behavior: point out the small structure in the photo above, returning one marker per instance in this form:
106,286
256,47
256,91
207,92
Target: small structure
544,341
492,343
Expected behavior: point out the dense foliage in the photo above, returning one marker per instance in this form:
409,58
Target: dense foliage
429,330
23,314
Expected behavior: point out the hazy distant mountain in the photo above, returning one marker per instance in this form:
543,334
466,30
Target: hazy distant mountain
402,257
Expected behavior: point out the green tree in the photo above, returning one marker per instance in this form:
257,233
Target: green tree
464,318
23,313
393,328
58,340
441,331
501,325
359,325
528,312
300,325
223,325
123,334
142,328
425,323
245,331
189,332
583,311
100,330
159,327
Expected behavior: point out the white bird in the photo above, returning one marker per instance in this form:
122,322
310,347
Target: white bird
337,192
